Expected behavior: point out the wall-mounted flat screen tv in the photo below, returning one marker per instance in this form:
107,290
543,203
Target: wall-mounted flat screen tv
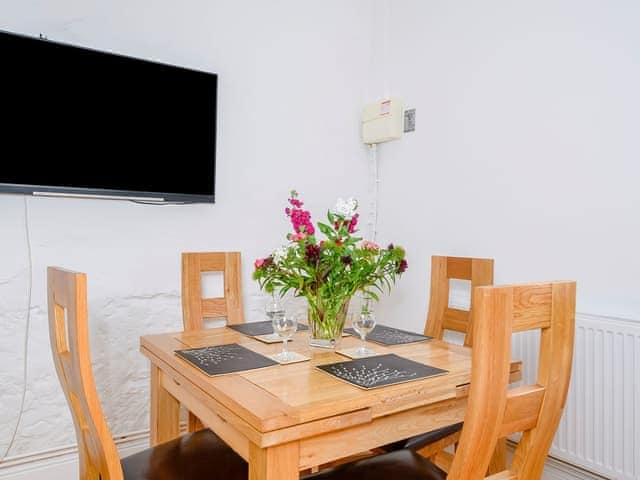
81,122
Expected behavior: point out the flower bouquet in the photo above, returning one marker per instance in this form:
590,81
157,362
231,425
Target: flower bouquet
328,272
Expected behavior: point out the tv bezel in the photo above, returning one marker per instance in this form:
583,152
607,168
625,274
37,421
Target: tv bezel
115,194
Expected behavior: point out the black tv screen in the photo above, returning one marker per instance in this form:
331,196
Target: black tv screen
82,122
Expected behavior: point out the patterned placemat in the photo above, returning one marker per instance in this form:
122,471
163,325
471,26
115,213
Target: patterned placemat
380,371
390,336
221,359
265,327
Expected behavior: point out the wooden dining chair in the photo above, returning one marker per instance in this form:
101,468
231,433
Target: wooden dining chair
494,409
195,308
186,458
441,317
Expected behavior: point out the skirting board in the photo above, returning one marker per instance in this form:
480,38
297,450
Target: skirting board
556,469
62,464
559,470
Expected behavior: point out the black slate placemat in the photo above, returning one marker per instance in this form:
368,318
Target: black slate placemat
221,359
380,371
390,336
253,329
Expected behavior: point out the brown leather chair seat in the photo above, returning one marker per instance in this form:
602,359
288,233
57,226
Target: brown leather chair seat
398,465
420,441
197,456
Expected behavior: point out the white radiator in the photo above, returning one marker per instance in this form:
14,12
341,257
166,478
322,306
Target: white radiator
600,429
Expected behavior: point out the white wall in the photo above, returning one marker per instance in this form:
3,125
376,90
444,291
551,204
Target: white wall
526,148
525,151
293,78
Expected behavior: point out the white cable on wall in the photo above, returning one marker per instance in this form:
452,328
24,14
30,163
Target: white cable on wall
373,155
26,331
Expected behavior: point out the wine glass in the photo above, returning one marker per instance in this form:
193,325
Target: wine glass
274,308
363,322
284,326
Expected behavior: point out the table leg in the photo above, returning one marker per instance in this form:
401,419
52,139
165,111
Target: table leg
279,462
165,411
499,458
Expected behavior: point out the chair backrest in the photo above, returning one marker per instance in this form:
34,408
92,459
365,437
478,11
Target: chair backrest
443,269
494,410
68,331
195,308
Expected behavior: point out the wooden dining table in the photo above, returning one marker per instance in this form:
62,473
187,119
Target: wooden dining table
284,419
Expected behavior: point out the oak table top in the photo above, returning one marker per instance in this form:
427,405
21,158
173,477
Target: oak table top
287,418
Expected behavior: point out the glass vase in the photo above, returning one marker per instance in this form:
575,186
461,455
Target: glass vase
326,320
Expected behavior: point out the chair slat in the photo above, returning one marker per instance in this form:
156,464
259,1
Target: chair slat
459,268
531,307
456,320
522,409
506,475
212,263
214,307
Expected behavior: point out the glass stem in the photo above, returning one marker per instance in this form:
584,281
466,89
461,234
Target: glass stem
284,347
363,348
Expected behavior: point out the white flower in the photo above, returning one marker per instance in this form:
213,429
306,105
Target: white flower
346,208
280,254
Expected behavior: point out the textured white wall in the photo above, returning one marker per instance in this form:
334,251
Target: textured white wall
526,147
292,83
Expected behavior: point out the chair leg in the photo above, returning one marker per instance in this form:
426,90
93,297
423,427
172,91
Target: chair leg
194,424
499,458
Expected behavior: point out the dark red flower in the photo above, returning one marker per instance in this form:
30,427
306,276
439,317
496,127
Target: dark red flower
312,253
402,267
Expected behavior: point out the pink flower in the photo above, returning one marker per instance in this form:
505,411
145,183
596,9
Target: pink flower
295,202
259,263
295,237
367,245
301,221
353,223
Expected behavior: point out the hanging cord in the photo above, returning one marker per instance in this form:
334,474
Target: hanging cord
26,331
373,154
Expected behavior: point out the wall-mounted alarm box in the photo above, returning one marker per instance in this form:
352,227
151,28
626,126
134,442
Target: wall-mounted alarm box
382,121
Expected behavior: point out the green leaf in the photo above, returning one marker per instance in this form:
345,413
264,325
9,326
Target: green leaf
326,229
